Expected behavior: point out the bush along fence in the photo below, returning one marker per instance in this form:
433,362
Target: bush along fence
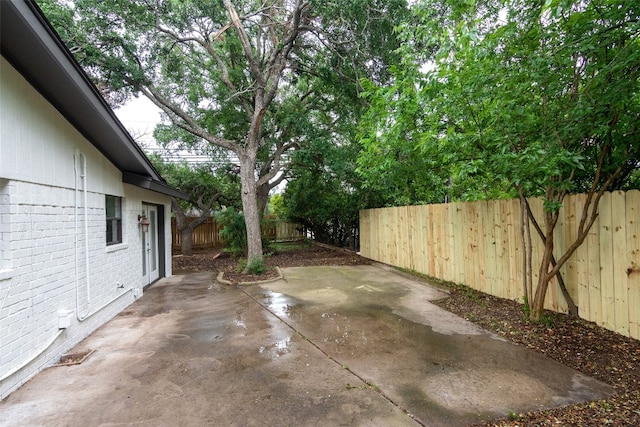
207,235
479,245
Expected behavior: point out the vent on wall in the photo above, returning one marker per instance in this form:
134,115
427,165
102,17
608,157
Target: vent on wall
64,318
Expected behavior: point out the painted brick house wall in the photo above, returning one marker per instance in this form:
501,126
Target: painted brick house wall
53,254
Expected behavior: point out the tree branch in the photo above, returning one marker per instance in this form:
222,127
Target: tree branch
573,308
246,44
181,119
275,161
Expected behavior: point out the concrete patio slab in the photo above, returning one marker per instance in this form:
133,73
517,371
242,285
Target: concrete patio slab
324,346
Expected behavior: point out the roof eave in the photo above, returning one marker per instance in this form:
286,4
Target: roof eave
153,185
30,43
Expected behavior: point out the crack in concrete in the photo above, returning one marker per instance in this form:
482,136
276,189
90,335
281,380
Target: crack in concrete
328,356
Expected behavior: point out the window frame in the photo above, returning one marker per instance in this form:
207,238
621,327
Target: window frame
113,224
6,271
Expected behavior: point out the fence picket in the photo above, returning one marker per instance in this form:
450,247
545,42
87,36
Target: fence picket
633,260
581,293
619,255
568,232
459,244
606,262
514,283
594,273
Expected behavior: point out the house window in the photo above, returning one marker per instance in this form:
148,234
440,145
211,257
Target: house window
114,219
4,224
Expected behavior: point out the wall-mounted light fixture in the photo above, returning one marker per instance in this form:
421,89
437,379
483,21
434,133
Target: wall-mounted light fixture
144,222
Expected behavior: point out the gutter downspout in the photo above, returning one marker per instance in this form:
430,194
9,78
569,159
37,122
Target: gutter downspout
82,175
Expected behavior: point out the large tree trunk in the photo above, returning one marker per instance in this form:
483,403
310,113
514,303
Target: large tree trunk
186,240
186,248
186,228
250,206
263,198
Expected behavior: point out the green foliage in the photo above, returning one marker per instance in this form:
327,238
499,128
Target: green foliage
212,81
526,309
325,194
634,181
545,319
252,266
234,232
289,246
519,94
514,416
207,187
368,42
255,266
505,98
276,206
217,84
61,18
242,264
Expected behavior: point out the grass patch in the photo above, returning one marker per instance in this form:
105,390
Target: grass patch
288,246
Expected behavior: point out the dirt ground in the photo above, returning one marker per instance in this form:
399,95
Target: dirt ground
286,255
576,343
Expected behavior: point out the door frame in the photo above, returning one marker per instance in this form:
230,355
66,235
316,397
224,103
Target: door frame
161,244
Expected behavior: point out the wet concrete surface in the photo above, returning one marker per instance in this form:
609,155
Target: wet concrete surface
335,346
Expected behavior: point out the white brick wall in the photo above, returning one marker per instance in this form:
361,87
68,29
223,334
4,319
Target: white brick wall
46,273
42,251
5,261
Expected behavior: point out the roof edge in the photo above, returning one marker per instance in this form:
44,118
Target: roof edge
31,21
153,185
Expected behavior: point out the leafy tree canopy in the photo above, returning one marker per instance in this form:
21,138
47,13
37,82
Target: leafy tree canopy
203,182
531,98
500,95
209,188
235,75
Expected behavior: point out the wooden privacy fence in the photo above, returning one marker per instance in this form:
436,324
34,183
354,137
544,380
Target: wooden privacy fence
281,231
479,244
207,235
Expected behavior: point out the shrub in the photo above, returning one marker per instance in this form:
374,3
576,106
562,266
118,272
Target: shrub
255,266
234,231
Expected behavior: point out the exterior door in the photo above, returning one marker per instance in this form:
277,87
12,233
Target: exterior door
150,256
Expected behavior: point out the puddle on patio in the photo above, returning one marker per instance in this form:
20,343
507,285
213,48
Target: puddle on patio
239,320
281,306
278,349
465,374
456,376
